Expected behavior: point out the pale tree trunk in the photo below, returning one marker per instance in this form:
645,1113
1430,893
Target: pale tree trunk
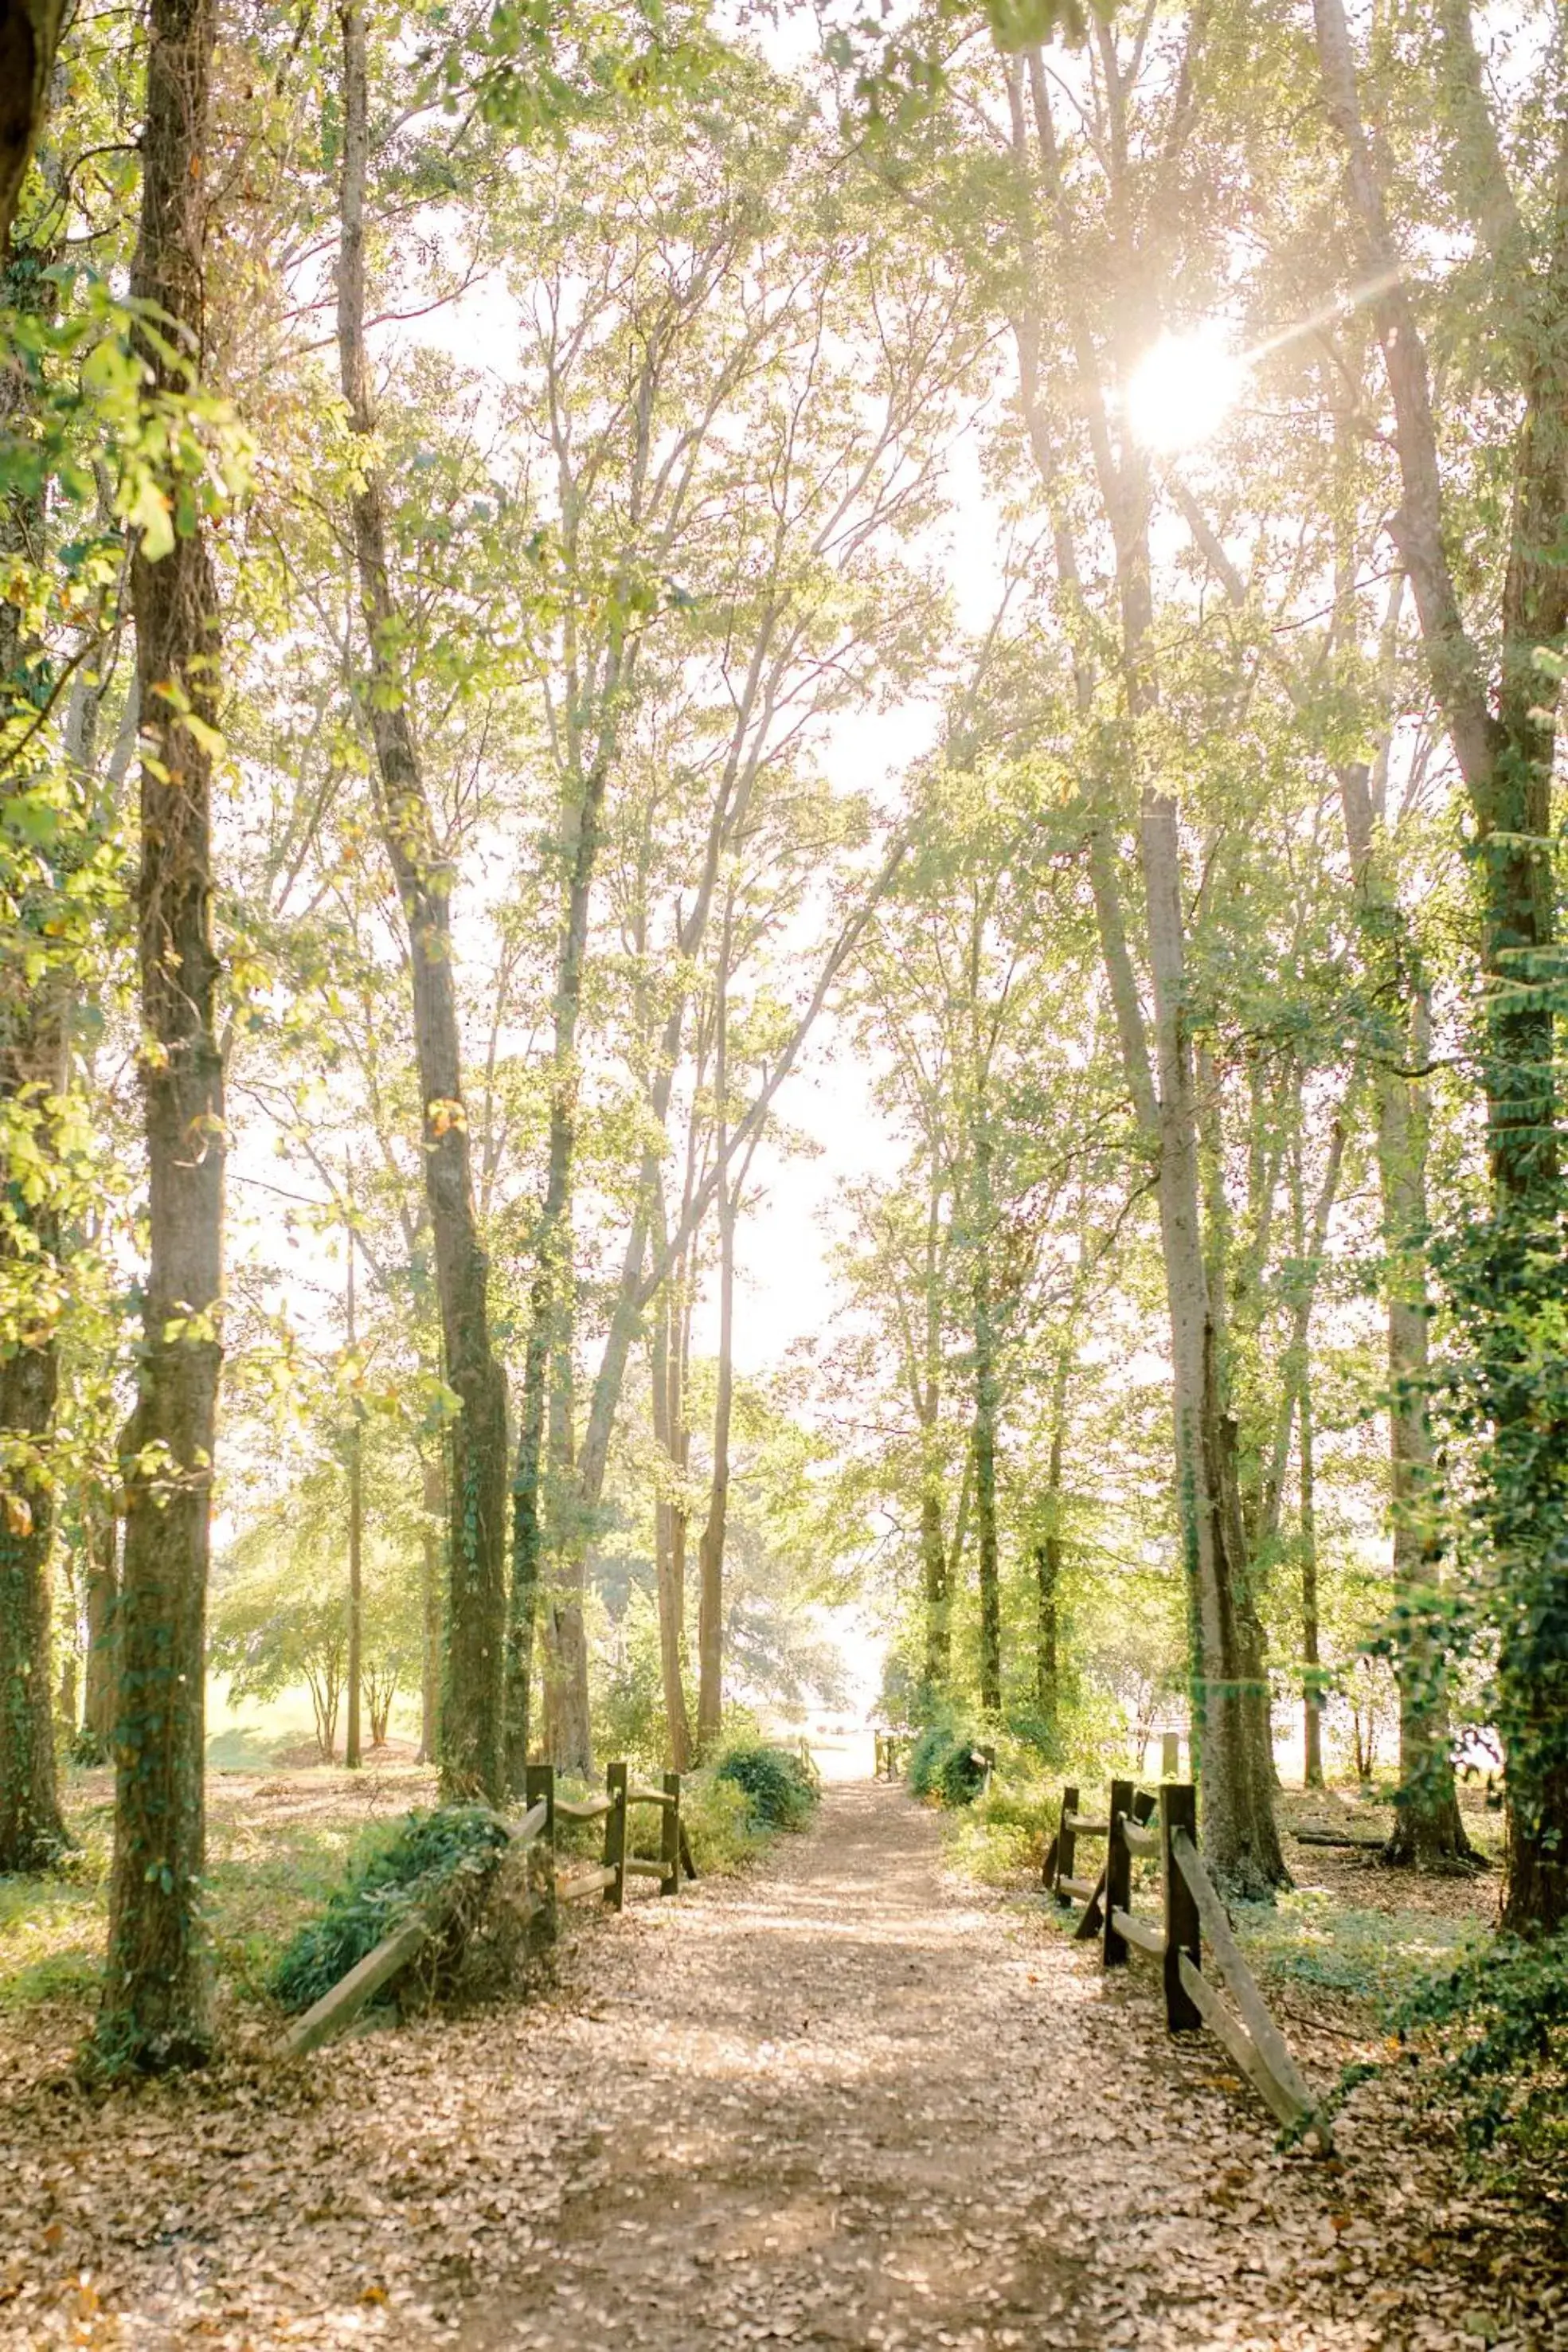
984,1440
1428,1829
157,1991
472,1727
665,1355
433,1501
1311,1654
356,1449
1048,1553
710,1554
1504,735
1230,1693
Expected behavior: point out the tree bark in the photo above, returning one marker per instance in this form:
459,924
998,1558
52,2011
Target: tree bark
472,1758
30,37
156,2008
33,1077
1505,755
433,1500
100,1529
984,1429
356,1449
1229,1695
1048,1559
670,1600
1311,1657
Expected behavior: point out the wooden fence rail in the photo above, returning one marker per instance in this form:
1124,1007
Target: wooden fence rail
1190,1908
534,1835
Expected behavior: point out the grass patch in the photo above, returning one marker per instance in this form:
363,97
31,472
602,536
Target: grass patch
1310,1938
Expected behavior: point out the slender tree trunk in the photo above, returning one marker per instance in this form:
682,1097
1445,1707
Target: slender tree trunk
156,2007
472,1761
936,1587
985,1430
100,1543
1428,1829
32,1827
1311,1688
351,1757
32,1077
1230,1689
1048,1559
710,1597
676,1725
433,1501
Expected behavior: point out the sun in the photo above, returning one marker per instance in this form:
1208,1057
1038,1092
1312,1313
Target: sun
1183,390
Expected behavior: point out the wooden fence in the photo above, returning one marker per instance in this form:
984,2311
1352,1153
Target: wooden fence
888,1744
1190,1908
534,1835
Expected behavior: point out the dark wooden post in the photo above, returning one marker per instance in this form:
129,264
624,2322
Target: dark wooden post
1170,1755
1178,1811
1067,1839
1118,1874
616,1777
670,1836
539,1781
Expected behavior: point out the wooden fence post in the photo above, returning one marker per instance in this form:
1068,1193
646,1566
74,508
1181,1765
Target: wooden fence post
670,1836
1066,1839
1178,1811
1118,1876
1170,1755
616,1778
538,1783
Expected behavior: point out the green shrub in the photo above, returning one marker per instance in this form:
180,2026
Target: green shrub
719,1825
1502,2016
942,1764
780,1792
379,1891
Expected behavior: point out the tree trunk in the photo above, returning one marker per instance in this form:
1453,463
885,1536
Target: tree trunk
985,1430
434,1503
32,1827
1229,1691
32,1077
1312,1685
1428,1829
710,1596
472,1761
99,1540
156,2007
30,37
677,1727
1047,1562
1506,757
356,1447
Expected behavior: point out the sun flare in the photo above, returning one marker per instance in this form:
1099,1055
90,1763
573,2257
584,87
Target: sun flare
1183,390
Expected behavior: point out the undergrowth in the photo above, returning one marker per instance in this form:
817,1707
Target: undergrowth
380,1891
779,1793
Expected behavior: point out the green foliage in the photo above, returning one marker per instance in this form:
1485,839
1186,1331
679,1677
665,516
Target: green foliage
422,1858
1502,2016
780,1792
944,1763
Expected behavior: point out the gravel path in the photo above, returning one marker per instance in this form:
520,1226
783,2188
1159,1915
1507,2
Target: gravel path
846,2103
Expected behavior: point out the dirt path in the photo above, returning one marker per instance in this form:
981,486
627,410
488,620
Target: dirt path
843,2103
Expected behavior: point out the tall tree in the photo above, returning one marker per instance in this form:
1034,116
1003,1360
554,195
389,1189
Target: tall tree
472,1749
1503,732
156,2008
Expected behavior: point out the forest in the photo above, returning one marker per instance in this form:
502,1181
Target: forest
782,846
